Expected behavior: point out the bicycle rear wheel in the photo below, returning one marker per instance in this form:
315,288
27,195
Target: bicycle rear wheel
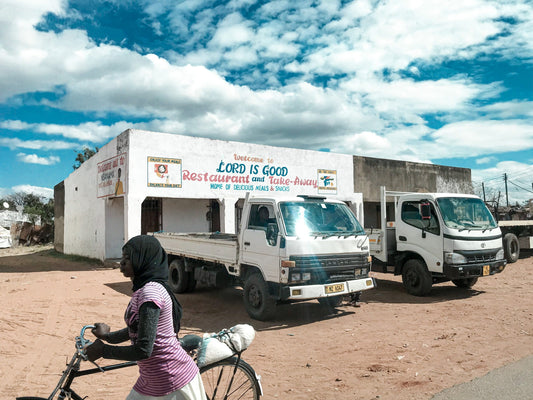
230,379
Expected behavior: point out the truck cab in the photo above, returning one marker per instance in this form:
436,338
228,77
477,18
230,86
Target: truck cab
301,248
437,237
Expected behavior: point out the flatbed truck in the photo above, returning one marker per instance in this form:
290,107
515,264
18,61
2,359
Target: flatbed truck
286,250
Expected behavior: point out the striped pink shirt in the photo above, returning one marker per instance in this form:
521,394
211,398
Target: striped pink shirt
169,368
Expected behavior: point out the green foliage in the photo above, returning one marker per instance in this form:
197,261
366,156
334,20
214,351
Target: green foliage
84,155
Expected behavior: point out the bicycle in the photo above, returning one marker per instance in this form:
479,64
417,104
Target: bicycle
229,379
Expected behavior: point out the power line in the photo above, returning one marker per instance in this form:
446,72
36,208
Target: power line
527,190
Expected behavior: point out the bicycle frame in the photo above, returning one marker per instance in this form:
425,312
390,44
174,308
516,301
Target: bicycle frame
63,388
73,371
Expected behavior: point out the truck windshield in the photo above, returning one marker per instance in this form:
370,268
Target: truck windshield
319,218
465,213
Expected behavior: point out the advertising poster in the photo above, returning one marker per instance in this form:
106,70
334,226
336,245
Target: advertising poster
327,181
164,172
111,177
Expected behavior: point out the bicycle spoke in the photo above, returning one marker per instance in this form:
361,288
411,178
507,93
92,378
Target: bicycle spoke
224,381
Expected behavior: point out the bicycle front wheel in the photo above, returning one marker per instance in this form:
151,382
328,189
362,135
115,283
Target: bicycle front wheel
230,379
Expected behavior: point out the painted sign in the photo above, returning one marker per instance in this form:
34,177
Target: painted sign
112,176
327,181
164,172
259,174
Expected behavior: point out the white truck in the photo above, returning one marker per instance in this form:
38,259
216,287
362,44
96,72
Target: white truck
287,249
437,237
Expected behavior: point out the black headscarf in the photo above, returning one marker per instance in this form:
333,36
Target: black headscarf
150,264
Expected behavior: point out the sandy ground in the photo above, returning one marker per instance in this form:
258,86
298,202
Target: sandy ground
394,346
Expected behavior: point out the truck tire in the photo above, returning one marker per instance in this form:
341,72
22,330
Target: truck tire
511,247
178,278
416,278
257,300
466,283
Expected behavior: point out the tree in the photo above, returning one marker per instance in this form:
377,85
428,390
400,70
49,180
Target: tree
84,155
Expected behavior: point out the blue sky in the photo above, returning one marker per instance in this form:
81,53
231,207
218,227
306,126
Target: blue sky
446,82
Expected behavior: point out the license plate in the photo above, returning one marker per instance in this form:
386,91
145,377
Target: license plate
486,270
339,287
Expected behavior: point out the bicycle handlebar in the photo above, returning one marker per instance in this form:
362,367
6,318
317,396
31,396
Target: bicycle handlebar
81,343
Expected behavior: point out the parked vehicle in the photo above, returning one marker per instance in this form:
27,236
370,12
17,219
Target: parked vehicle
437,237
287,249
517,235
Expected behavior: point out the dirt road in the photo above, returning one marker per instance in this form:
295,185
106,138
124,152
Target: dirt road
394,346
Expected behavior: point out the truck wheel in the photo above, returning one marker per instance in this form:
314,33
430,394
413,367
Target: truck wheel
257,300
178,278
416,278
332,301
511,247
466,283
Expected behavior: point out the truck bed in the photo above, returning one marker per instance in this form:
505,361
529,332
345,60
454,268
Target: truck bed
215,247
519,222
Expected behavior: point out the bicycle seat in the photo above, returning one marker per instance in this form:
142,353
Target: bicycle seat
190,342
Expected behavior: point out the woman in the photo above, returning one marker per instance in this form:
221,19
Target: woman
152,317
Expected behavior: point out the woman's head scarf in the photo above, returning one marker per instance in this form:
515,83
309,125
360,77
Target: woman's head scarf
150,264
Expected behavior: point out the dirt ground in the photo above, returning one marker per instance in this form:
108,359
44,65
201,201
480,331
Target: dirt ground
394,346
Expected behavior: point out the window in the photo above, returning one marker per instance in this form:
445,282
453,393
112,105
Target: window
411,216
319,218
260,216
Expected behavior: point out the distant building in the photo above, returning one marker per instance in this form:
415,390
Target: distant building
149,181
8,218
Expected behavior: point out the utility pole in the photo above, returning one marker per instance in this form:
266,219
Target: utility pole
483,187
506,192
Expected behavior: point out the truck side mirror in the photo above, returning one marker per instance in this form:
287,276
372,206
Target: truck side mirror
425,210
272,234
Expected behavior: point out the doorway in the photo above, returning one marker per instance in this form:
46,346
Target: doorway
151,215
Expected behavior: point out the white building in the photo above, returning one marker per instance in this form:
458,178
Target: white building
147,181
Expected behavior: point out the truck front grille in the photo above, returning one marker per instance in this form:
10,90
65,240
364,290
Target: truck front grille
478,256
332,268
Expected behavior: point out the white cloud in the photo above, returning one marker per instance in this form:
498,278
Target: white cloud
88,131
392,35
232,31
35,159
14,143
475,138
36,190
364,112
369,143
509,109
406,99
485,160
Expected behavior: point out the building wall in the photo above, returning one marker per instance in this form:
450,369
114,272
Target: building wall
97,223
59,216
372,173
185,215
403,176
85,213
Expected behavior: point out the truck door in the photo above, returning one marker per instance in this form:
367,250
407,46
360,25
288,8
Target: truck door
422,236
260,245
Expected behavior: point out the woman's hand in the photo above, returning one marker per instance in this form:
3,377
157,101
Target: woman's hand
101,330
95,350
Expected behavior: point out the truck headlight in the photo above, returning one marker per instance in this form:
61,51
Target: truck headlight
306,276
296,277
500,255
454,258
